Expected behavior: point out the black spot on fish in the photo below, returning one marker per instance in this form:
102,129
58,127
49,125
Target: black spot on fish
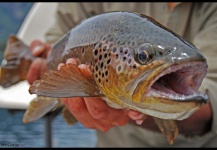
111,39
106,72
96,68
117,56
105,56
119,68
104,48
124,58
108,61
121,49
96,52
100,57
100,44
110,45
129,61
114,49
101,65
126,51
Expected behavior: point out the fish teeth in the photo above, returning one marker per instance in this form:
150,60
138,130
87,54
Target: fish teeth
179,97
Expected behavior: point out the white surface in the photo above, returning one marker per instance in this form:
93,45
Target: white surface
16,97
37,22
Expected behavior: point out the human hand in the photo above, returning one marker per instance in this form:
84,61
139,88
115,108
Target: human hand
94,112
38,66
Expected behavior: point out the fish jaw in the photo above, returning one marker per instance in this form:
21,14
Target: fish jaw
172,91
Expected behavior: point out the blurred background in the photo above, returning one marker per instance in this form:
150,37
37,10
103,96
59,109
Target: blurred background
12,130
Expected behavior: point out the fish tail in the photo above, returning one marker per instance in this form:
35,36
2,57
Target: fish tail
16,62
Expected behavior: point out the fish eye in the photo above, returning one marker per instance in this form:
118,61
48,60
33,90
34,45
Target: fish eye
144,54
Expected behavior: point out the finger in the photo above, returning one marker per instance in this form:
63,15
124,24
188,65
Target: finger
96,107
35,43
60,65
134,115
101,111
72,61
79,110
85,69
38,50
34,70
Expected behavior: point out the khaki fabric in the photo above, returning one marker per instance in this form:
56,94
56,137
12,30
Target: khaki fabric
196,22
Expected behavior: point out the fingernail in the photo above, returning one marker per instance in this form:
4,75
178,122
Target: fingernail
139,122
36,49
72,61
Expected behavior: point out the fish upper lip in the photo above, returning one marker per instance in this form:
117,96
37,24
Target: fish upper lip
196,95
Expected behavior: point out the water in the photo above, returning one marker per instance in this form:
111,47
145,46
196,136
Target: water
13,133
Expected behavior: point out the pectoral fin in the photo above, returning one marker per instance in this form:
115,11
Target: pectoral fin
69,81
40,107
68,117
168,128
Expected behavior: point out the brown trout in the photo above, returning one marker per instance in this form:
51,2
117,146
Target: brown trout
135,63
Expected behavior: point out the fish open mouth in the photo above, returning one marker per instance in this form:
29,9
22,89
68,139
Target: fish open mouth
180,82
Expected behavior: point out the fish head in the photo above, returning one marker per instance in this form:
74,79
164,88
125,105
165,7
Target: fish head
159,76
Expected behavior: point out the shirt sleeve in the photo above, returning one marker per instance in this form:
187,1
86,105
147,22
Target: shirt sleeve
206,42
69,15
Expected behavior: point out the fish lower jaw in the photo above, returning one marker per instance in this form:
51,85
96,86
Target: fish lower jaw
177,97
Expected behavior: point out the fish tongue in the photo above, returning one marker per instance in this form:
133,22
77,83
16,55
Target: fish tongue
160,87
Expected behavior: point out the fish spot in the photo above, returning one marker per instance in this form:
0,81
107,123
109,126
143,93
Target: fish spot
110,45
117,56
100,44
96,68
114,49
103,75
106,72
124,58
99,80
96,52
100,57
101,65
104,39
96,60
111,39
126,51
121,49
134,66
119,68
106,80
104,48
108,61
105,55
129,61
